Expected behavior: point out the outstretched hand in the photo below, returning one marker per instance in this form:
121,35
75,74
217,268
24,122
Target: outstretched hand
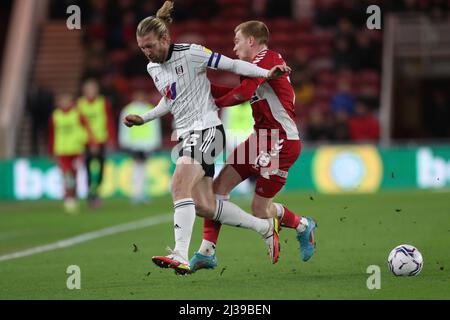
278,71
133,120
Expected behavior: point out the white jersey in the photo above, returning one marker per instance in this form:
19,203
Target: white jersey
183,82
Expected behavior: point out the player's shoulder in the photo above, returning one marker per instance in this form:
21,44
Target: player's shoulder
179,47
197,49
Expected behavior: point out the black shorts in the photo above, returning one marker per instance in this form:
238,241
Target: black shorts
204,146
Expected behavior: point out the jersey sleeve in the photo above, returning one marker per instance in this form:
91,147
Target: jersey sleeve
202,56
205,58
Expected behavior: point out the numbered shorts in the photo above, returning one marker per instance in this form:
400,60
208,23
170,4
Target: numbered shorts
266,158
204,146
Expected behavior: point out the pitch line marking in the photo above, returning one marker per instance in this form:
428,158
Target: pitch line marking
135,225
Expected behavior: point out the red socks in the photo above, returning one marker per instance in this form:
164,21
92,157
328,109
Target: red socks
290,219
211,230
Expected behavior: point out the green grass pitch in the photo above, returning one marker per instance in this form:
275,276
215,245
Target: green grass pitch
355,231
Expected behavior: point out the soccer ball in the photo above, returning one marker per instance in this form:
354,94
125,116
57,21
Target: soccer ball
405,260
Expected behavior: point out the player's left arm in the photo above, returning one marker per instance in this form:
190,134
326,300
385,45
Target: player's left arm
248,69
205,58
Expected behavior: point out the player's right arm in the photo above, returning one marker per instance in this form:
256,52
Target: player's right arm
218,91
241,93
137,120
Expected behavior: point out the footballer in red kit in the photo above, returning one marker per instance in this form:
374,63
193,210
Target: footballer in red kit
276,136
268,153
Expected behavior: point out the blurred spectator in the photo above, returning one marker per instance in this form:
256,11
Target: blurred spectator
124,32
317,129
363,125
343,100
437,115
40,105
146,9
195,9
204,9
339,127
346,29
404,6
258,8
95,67
326,14
353,11
95,18
118,8
279,8
302,78
368,95
343,57
365,53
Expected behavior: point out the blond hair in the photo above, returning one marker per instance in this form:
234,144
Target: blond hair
256,29
157,24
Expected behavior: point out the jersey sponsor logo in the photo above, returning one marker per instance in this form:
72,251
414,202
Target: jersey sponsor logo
179,70
170,92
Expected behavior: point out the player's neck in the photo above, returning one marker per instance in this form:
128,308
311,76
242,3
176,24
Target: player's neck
258,49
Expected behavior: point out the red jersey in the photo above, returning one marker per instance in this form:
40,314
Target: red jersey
272,100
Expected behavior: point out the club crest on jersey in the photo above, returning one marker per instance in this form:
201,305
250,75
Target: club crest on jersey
170,91
254,98
179,70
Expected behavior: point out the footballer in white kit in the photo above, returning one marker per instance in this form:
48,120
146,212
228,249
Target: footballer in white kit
186,92
179,73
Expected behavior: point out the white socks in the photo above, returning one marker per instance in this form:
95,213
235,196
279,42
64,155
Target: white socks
184,218
230,214
280,210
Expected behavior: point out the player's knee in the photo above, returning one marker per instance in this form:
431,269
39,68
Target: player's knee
205,209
